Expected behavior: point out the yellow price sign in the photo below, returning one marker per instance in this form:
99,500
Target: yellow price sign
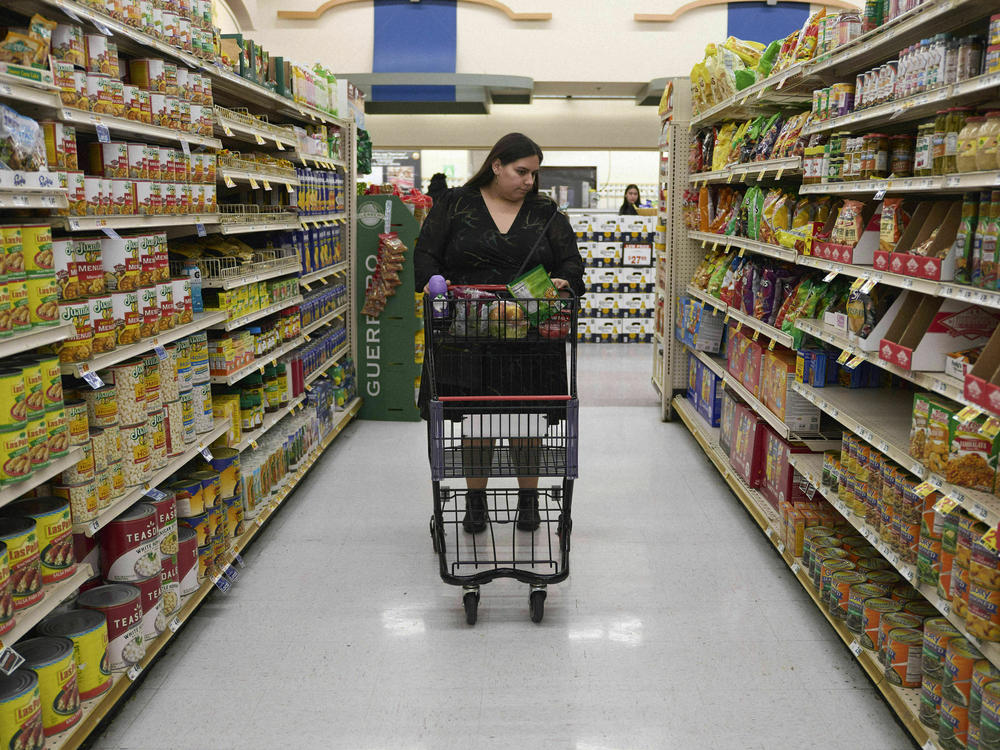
989,540
309,388
780,172
323,281
844,356
770,346
253,444
739,326
715,311
253,183
228,181
730,178
259,138
743,250
306,287
924,489
306,337
756,335
704,242
969,413
858,283
726,319
946,505
278,144
267,185
855,362
227,130
990,428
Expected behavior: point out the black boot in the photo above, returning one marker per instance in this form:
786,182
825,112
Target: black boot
475,511
527,510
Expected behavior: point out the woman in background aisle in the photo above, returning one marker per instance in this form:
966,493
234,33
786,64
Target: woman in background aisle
630,202
438,186
483,233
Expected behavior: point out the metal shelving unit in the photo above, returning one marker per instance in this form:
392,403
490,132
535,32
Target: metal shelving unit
229,325
313,276
259,363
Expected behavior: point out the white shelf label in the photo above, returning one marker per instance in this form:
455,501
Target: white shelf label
781,548
944,606
232,574
155,494
160,352
134,671
939,386
855,648
186,148
979,511
223,584
175,624
200,228
10,660
103,134
95,526
111,233
207,454
908,574
93,380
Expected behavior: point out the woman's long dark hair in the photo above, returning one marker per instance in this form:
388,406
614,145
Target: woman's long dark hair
511,147
629,208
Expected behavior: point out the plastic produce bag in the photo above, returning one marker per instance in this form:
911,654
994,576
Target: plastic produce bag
471,311
22,145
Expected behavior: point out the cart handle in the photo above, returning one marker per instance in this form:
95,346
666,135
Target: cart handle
483,287
504,398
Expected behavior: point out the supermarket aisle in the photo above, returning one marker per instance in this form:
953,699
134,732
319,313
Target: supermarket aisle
679,627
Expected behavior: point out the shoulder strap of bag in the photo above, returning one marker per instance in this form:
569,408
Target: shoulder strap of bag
534,248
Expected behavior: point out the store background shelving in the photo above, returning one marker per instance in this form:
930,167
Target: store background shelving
879,417
244,112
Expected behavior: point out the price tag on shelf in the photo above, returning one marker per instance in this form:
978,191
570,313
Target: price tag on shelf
856,284
726,318
95,526
969,413
763,172
267,185
880,194
231,573
100,26
308,387
222,583
160,352
796,568
739,326
253,182
175,625
10,660
781,548
944,606
939,386
844,356
868,285
855,648
830,276
228,181
103,134
979,510
207,453
923,489
200,229
883,446
990,428
730,178
908,574
239,561
756,335
854,362
186,148
770,346
260,140
134,671
279,145
742,250
155,494
93,380
227,130
111,233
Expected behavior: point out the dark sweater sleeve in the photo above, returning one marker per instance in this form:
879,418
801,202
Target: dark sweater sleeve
569,264
428,255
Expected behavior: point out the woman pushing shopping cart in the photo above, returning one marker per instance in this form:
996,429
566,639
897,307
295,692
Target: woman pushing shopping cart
499,386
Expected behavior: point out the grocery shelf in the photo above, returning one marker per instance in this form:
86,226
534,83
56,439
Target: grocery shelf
742,319
321,370
955,183
237,276
55,594
31,190
781,87
34,338
884,42
325,319
707,298
760,248
135,221
308,278
80,118
246,127
938,382
810,466
256,175
29,92
201,322
96,710
249,439
242,223
904,701
656,387
258,363
752,170
888,414
336,217
224,325
134,495
325,162
11,492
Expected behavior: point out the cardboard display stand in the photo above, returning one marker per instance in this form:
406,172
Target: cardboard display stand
937,261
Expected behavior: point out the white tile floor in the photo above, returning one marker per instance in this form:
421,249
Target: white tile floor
679,626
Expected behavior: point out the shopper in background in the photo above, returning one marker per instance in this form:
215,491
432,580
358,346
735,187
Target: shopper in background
438,186
630,202
483,233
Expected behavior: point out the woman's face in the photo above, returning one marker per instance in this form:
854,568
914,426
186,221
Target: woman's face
516,179
632,195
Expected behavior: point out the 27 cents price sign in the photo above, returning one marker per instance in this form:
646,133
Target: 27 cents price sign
637,254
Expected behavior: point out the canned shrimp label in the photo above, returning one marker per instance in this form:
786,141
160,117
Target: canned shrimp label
14,453
55,542
36,242
38,441
21,714
43,300
57,683
131,545
89,632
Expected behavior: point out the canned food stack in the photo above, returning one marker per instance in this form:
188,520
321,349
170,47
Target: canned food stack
28,293
232,351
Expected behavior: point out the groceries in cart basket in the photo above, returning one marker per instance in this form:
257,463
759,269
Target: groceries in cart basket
536,304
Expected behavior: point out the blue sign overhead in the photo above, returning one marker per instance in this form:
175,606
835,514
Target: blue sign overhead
415,38
760,22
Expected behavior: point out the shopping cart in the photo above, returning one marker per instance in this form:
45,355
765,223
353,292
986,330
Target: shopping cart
502,404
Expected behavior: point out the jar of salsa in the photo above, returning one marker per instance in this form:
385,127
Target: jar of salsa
901,155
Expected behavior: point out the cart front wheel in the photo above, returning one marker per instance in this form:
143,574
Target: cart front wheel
536,605
471,601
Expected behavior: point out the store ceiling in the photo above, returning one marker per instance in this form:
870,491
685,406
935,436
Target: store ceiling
456,93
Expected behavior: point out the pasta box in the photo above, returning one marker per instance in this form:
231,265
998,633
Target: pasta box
972,458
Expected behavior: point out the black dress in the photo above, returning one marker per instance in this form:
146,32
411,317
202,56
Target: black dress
460,241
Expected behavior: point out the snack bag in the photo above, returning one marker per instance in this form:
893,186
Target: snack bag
537,286
723,143
849,225
40,29
715,282
808,38
748,51
991,245
768,59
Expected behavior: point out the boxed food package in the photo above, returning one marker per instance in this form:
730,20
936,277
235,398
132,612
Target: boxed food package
752,365
926,247
727,412
982,382
736,348
853,234
972,458
927,328
940,416
606,254
958,364
778,483
694,373
777,373
700,329
709,403
746,452
815,367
